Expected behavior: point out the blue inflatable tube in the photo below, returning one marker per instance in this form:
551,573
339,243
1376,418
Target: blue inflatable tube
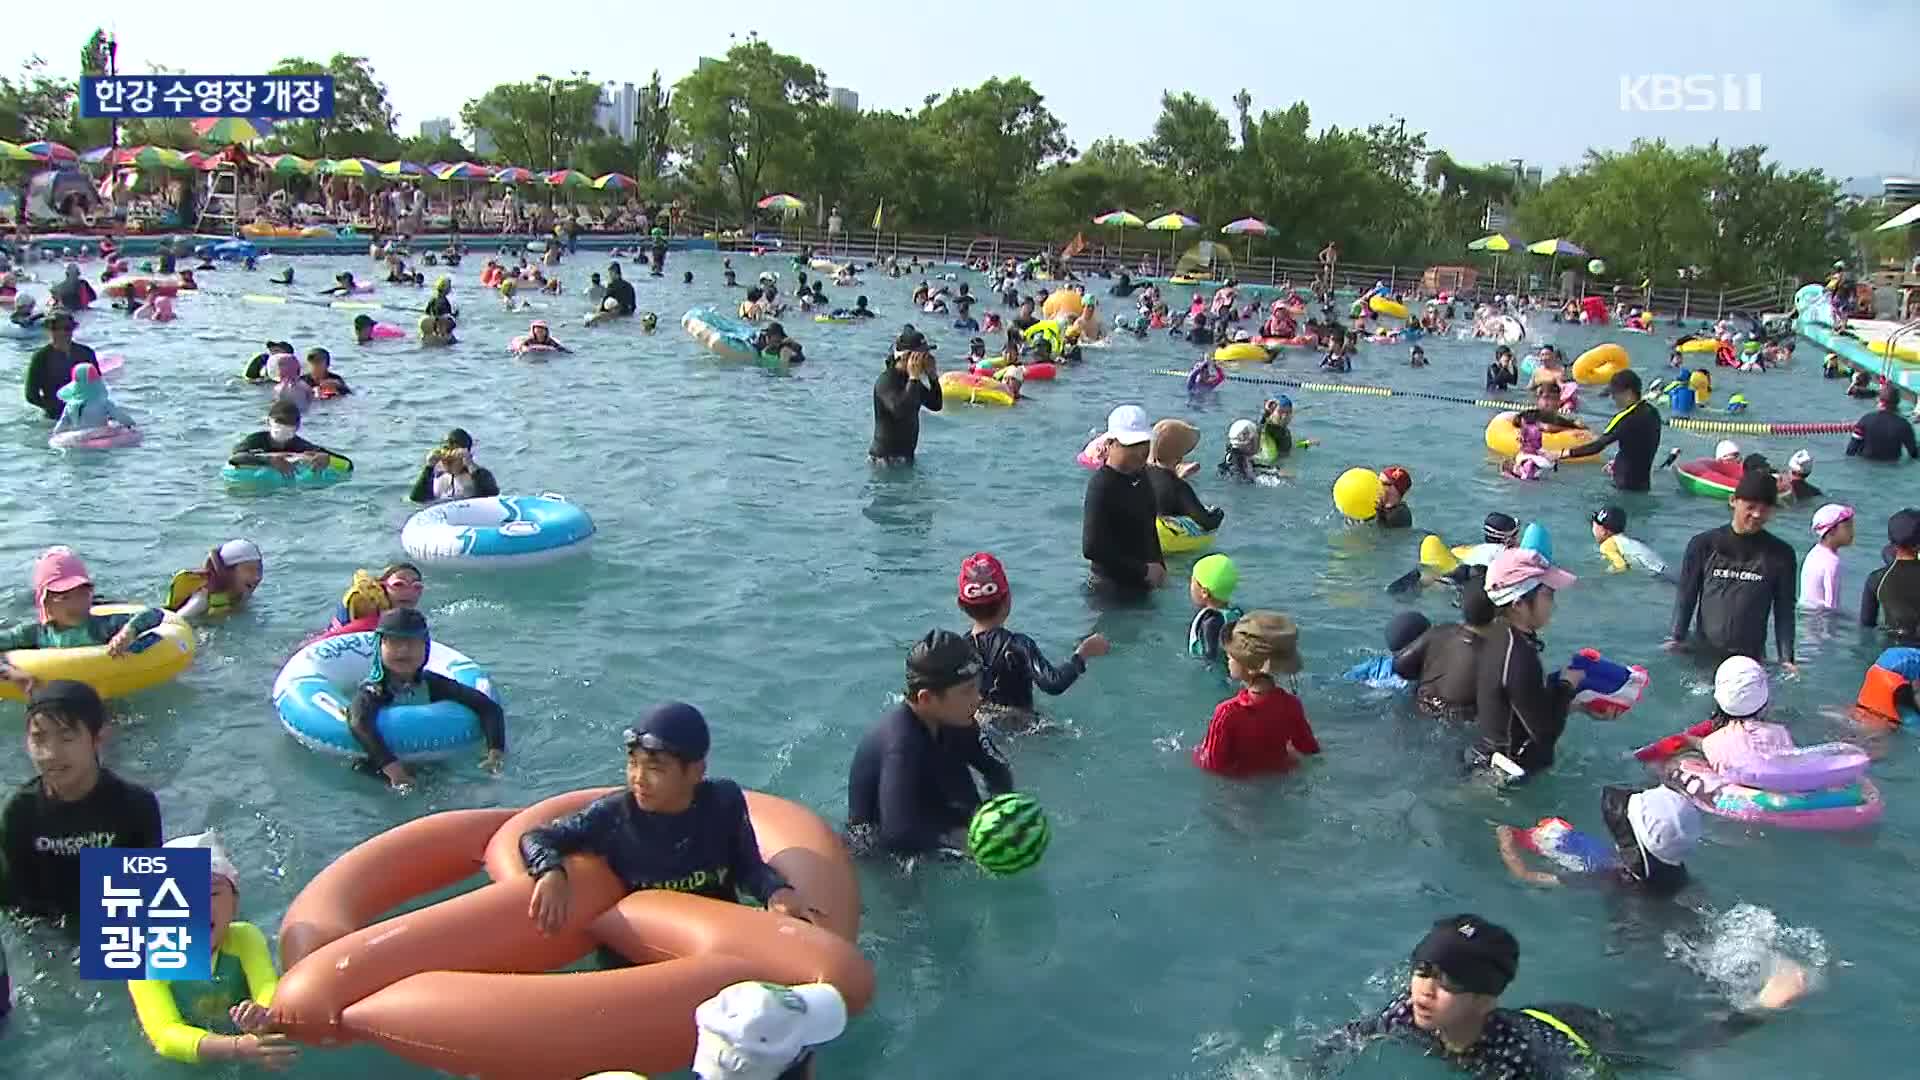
318,683
263,478
501,530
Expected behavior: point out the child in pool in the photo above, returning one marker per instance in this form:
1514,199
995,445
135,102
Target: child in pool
89,406
398,585
1740,737
1243,442
1402,630
1531,463
399,677
1205,376
1276,424
63,600
1011,664
24,315
1623,552
1260,729
289,386
1211,589
343,284
280,446
976,352
363,329
1417,357
541,335
226,581
1653,831
1820,572
155,309
256,369
320,378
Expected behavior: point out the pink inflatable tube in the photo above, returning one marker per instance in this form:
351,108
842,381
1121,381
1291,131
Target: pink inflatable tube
1852,806
1095,453
386,332
100,438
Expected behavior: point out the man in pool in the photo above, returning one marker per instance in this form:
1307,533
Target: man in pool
1733,576
909,383
51,366
620,291
670,828
1635,428
280,446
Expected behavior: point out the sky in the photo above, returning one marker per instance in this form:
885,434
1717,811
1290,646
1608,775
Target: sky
1488,81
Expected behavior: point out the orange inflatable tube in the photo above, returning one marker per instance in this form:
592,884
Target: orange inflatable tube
464,985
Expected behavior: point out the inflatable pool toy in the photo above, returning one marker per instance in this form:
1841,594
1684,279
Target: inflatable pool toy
499,530
462,986
1503,438
1242,350
1042,372
973,389
1180,535
1356,494
520,346
1596,267
316,685
1697,345
1557,841
238,249
1436,556
1906,350
1887,691
1850,806
1063,302
111,437
262,477
384,331
1046,330
1272,343
1706,476
1607,689
1008,834
164,652
140,288
835,318
1383,306
1508,330
1183,279
1094,454
725,337
1599,364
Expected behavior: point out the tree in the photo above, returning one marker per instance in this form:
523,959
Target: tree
526,118
362,120
34,105
653,130
995,136
743,119
1190,140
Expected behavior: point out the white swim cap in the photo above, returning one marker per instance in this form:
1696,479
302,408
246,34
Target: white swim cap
1242,434
1740,687
1727,448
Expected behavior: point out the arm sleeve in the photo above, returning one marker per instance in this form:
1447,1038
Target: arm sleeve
1693,570
1588,449
1540,706
172,1037
35,366
256,367
902,828
1913,448
1215,752
1053,680
1211,631
1784,606
13,845
1302,734
26,635
67,421
493,720
751,872
115,412
1207,517
484,485
422,490
986,759
544,848
144,830
249,946
250,450
1610,547
1870,600
363,716
931,396
1855,442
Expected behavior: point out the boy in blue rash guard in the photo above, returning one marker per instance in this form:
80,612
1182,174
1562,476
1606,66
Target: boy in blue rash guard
672,828
1011,664
1402,630
399,677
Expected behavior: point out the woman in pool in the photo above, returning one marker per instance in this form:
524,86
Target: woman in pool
398,585
63,601
343,285
450,473
399,677
224,582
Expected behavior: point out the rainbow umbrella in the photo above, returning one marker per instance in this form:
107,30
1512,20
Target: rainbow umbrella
513,174
1499,243
96,156
43,150
197,160
1173,222
231,129
1248,227
786,204
1557,247
287,165
568,178
352,166
463,170
1122,220
614,181
150,157
14,152
402,168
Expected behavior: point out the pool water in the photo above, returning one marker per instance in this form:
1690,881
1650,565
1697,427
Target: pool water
748,559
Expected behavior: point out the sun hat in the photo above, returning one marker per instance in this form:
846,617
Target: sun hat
1265,642
1830,517
757,1030
1515,572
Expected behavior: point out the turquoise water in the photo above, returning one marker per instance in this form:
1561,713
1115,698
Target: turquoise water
749,560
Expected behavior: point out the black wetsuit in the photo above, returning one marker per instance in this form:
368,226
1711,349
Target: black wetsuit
71,293
1804,490
620,291
1174,497
439,305
484,485
1117,532
249,450
41,839
1881,435
1513,1046
1733,581
1501,378
1637,432
1011,665
897,401
907,790
708,849
1444,664
257,367
339,385
364,713
49,370
1521,714
1237,465
1894,590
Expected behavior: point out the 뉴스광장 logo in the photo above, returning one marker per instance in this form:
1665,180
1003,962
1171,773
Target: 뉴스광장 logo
1690,93
144,913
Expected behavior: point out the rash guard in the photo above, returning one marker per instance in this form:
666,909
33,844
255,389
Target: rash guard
907,790
49,370
364,713
1636,430
1734,580
1117,531
41,839
1881,435
1011,665
1521,714
1541,1043
1444,664
897,401
1894,590
1174,497
708,849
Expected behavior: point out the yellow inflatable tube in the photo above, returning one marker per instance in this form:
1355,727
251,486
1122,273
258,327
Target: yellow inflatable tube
111,676
974,389
1698,345
1503,438
172,1036
1906,350
1599,364
1048,329
1383,306
1179,535
1243,350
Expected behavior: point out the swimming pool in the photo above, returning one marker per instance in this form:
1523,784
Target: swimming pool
747,559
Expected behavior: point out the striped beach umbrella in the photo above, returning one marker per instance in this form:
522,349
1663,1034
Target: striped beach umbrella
14,152
513,174
786,204
614,181
287,165
568,178
463,170
402,168
150,157
232,129
50,151
1173,222
358,167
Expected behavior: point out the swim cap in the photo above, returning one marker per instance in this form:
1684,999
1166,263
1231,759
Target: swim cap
1740,687
1403,628
1242,434
221,865
1218,575
1801,462
1398,478
1283,401
1536,539
1499,528
983,581
235,552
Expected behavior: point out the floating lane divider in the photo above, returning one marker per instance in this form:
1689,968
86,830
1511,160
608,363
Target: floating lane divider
1725,427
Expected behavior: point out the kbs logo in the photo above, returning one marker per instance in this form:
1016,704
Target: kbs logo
1690,93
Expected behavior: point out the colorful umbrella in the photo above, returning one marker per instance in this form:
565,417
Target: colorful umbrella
1248,227
402,168
96,156
150,157
513,174
1173,222
50,151
1498,243
786,204
14,152
614,181
571,178
286,165
197,160
352,166
1119,218
1557,247
463,170
231,129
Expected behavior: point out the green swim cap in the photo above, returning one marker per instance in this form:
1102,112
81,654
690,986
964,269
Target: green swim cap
1217,575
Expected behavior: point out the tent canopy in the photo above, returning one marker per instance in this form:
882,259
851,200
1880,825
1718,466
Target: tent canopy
1206,260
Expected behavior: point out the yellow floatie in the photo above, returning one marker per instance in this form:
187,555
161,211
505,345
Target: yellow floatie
111,676
1383,306
1503,438
167,1029
1699,344
974,389
1906,350
185,584
1436,556
1048,329
1243,350
1600,364
1179,535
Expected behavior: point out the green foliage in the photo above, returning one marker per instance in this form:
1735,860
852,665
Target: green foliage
742,121
537,124
362,120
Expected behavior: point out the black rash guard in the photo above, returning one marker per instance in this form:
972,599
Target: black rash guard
254,449
1174,497
1733,580
1444,663
439,305
709,849
1895,590
41,839
1397,516
364,713
1011,665
49,370
1637,432
1521,714
1881,435
1500,377
906,790
897,401
1117,531
1515,1044
620,291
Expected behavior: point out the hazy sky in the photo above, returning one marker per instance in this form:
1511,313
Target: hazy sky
1488,81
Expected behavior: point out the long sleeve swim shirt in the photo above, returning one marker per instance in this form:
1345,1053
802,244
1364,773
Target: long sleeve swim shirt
41,839
1174,497
897,401
1117,531
708,849
1011,665
1521,714
1731,581
906,789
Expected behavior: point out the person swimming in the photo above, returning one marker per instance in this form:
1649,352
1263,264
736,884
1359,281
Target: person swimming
89,406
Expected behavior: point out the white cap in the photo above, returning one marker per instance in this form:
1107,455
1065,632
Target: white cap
210,840
1801,462
1727,448
756,1031
1128,425
1241,434
235,552
1666,823
1740,687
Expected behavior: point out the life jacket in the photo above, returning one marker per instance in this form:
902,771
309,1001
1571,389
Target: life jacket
185,584
1887,691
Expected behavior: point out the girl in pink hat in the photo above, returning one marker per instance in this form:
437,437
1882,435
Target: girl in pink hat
1820,570
63,600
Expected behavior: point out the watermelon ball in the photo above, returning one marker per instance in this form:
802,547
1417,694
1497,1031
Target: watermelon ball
1008,834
